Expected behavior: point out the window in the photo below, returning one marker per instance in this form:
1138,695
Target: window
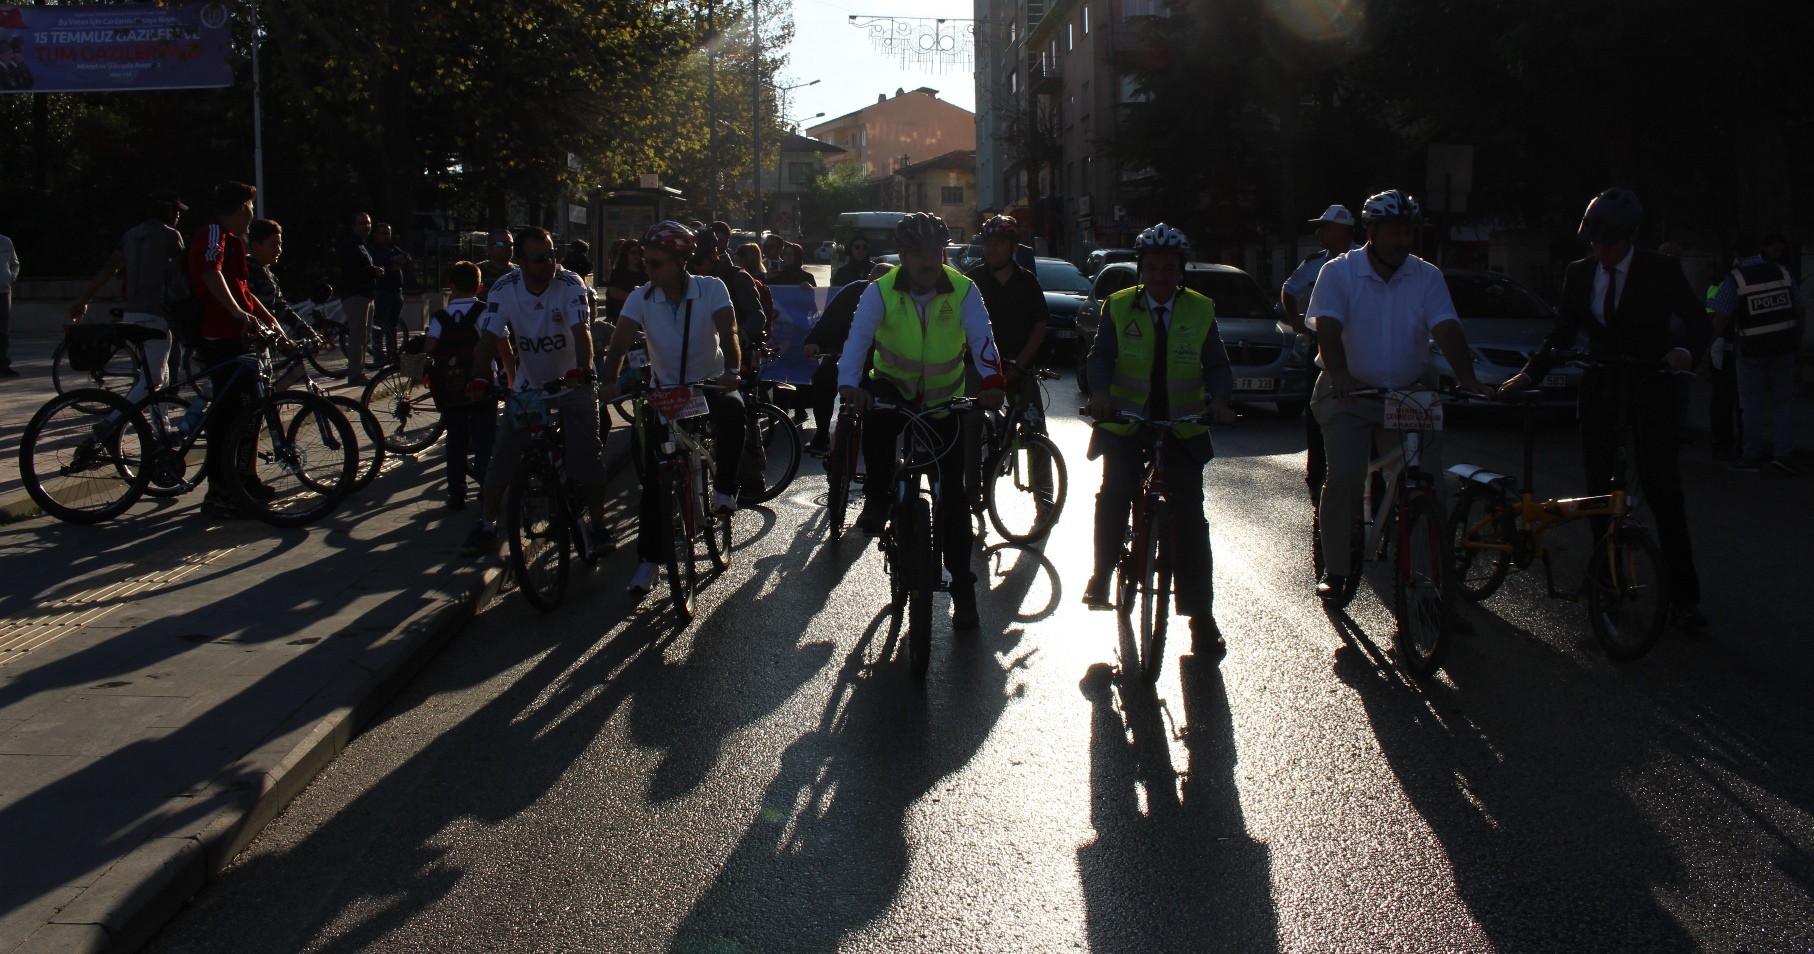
951,195
1086,19
1014,82
1070,37
798,173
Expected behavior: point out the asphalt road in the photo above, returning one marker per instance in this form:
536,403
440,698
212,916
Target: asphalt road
770,779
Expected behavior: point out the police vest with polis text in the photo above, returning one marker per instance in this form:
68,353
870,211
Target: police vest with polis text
1766,323
923,360
1190,322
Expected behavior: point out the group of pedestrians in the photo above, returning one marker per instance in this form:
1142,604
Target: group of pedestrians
372,272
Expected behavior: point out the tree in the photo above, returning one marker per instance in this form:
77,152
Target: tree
831,191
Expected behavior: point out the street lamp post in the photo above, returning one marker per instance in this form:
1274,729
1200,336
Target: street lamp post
781,104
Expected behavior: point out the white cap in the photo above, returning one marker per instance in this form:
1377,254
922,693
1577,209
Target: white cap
1338,214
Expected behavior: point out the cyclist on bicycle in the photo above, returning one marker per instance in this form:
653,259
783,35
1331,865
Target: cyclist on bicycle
689,327
827,339
1158,351
914,322
1017,306
1374,311
540,311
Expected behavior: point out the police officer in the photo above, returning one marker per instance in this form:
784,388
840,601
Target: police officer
1760,307
914,323
1159,355
1335,231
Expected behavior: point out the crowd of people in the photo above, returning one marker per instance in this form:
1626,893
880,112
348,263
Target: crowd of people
923,334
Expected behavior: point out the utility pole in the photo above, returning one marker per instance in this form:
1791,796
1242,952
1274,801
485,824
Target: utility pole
756,125
711,92
258,120
40,134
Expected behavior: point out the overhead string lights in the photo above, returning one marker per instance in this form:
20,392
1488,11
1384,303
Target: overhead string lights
941,44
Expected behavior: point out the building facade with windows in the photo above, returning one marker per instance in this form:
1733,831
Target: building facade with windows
944,185
897,131
1049,95
801,158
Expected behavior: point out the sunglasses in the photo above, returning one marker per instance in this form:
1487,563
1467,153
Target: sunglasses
500,245
541,259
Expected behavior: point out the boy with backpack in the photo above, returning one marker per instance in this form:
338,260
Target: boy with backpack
470,417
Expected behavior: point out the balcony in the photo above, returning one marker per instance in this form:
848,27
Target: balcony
1043,77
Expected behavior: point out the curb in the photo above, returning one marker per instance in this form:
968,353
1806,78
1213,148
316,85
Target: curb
15,509
147,888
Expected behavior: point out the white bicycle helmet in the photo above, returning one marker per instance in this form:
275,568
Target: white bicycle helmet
1162,238
1391,206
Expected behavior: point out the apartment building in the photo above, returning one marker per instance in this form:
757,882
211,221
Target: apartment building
897,131
1048,95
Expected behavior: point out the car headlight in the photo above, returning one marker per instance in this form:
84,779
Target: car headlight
1300,347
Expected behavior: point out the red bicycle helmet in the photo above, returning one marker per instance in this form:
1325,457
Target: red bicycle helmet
672,237
1005,226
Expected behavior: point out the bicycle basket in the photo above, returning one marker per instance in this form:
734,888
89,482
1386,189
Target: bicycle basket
89,346
528,409
415,366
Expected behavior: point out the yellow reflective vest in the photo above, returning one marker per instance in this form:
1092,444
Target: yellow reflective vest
1190,323
925,362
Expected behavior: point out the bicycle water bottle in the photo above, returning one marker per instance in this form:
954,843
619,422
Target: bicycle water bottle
192,418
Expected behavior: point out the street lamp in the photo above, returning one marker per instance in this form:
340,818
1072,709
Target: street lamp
758,218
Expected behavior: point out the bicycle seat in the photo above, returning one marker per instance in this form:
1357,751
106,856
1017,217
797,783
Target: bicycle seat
1474,474
139,334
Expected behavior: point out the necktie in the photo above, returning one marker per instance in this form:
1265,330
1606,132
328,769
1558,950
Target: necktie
1612,296
1159,407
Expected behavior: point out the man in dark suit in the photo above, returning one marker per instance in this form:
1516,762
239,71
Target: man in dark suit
1633,305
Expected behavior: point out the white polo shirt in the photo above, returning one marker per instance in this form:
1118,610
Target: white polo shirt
666,325
542,327
1385,324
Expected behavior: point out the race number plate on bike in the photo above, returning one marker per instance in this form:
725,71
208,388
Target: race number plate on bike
674,404
1413,411
637,359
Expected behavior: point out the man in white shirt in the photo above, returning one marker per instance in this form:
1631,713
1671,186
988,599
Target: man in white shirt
541,312
1374,311
1335,232
689,327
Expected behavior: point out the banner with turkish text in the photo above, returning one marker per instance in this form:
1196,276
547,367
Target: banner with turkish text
80,49
796,311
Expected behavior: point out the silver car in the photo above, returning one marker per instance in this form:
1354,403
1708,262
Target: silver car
1505,322
1268,360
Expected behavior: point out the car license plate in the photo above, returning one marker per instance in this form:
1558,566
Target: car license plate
1555,381
1256,384
1064,333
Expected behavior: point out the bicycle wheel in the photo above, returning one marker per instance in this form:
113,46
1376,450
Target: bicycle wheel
405,411
840,467
1155,596
370,435
333,360
537,522
175,470
779,438
718,529
680,544
1025,487
81,466
1421,590
919,573
116,375
1478,518
1628,598
291,459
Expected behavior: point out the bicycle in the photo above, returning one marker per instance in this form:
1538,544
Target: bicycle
400,398
684,465
544,512
1024,476
776,436
112,356
909,543
295,369
1422,591
1143,571
87,456
1497,524
842,468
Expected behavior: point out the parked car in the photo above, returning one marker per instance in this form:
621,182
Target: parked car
962,257
1066,290
1104,256
1504,322
1269,361
824,253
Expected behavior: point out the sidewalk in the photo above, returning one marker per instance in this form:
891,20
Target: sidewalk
168,684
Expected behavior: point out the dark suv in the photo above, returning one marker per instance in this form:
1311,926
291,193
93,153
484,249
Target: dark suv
1268,359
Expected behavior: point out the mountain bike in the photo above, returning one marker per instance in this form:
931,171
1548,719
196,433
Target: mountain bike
776,447
400,398
88,455
1497,524
1023,477
909,543
544,512
843,465
671,427
294,369
1400,493
112,356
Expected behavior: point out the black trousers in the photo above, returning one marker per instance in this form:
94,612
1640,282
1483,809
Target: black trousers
1649,415
728,426
1725,421
956,536
235,388
6,324
1193,566
470,428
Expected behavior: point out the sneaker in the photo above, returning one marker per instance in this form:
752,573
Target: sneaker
1747,466
1206,638
723,504
963,607
820,445
643,580
601,537
1096,593
358,382
480,540
219,506
1330,590
1784,468
874,517
456,503
258,489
